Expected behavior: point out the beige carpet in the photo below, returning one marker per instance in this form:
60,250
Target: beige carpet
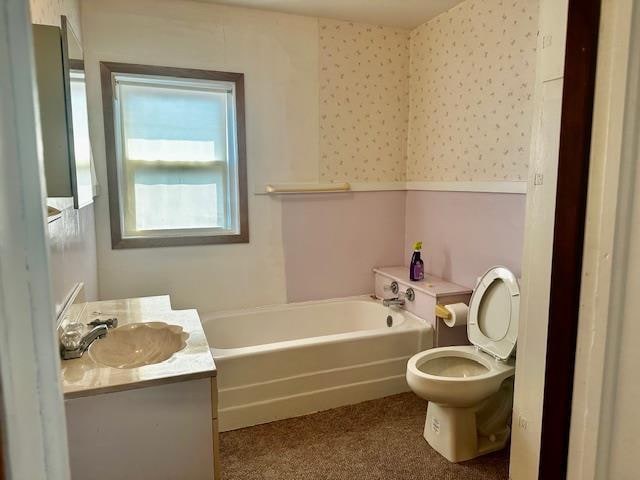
380,439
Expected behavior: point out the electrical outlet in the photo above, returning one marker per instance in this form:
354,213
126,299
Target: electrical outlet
538,179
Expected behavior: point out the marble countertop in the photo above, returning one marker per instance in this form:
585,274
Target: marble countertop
431,285
83,377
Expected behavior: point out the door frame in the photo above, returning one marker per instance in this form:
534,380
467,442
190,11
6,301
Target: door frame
609,244
31,407
583,25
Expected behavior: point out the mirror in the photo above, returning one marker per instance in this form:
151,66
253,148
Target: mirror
85,174
62,101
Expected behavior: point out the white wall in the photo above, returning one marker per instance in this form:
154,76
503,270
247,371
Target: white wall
538,246
72,254
279,56
620,442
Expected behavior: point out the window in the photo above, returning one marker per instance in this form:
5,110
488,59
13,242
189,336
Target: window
175,155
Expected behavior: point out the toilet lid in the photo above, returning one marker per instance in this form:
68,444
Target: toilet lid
492,325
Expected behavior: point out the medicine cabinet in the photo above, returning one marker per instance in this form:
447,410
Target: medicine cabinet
66,147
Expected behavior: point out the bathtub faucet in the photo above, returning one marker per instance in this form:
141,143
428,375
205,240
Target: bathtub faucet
399,301
396,301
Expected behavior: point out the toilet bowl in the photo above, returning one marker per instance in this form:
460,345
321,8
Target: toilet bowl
470,388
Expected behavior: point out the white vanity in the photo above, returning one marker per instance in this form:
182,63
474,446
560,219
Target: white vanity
152,421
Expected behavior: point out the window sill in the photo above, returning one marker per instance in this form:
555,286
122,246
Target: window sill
159,242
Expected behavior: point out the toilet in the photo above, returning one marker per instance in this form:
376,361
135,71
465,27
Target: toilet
470,388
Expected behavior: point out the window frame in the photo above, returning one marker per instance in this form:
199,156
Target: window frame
118,241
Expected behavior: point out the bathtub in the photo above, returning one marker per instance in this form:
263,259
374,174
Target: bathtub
283,361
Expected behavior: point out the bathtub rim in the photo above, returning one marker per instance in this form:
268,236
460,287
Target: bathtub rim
411,322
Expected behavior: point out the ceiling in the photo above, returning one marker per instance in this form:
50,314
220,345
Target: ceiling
395,13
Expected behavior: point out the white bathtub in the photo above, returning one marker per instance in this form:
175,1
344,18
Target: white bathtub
283,361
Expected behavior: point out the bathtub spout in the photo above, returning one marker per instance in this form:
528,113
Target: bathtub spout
388,302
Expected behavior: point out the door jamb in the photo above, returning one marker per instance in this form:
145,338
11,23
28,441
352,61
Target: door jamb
570,215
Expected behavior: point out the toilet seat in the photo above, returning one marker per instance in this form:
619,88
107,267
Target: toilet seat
492,323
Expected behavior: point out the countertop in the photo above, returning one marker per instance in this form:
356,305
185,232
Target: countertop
431,285
83,377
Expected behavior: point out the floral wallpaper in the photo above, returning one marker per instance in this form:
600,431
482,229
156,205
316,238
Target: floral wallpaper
472,83
364,101
451,100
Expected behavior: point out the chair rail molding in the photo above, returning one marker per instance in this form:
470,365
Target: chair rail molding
517,187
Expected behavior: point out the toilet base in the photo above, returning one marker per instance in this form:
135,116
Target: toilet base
454,433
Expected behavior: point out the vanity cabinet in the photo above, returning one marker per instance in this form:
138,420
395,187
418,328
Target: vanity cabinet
163,432
152,421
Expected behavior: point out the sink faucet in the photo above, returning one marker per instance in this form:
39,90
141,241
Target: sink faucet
70,347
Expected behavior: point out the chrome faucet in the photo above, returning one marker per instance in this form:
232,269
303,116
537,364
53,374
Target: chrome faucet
399,301
72,345
396,301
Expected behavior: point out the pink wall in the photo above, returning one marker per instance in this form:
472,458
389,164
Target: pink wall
333,241
466,233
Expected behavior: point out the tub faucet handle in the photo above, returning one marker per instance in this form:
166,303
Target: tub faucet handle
410,294
393,286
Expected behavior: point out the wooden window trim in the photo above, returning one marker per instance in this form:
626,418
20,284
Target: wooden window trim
107,69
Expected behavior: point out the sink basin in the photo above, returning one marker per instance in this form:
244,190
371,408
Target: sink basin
138,344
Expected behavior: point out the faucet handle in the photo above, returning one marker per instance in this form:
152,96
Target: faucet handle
110,322
410,294
71,336
393,286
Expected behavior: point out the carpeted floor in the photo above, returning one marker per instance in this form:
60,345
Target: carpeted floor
380,439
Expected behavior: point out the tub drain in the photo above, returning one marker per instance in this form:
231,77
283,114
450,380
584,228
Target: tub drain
389,320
